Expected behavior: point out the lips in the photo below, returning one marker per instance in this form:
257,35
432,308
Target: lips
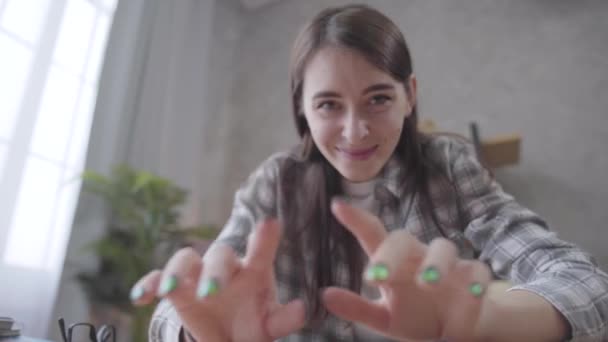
358,153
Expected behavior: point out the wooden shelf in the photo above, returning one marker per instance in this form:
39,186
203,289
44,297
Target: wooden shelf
495,152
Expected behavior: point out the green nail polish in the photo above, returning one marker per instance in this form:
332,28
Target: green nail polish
476,289
377,272
168,285
136,293
430,275
207,288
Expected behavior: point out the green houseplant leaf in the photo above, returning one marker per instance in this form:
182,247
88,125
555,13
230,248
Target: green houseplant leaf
143,232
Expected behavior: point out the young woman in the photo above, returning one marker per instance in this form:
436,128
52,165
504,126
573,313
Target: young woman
372,231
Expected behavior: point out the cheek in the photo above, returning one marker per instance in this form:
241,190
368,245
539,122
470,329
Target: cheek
396,134
323,132
390,129
392,137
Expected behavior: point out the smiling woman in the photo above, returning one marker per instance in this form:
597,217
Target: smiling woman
364,186
50,62
354,111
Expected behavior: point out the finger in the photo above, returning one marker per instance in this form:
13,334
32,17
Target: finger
471,282
396,260
144,291
440,257
367,228
286,319
262,246
178,281
221,264
352,307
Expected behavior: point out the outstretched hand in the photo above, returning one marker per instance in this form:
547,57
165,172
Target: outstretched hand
427,292
223,298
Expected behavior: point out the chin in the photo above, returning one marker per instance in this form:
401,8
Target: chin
355,171
356,176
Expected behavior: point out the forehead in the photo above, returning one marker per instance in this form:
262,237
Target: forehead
341,69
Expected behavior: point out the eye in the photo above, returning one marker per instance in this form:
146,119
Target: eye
380,100
328,105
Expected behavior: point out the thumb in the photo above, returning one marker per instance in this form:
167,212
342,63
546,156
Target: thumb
352,307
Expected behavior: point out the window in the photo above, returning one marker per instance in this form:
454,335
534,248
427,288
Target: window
52,51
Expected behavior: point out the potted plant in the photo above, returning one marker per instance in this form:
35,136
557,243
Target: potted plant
143,231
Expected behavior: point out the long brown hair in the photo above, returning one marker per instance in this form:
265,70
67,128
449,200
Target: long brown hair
309,182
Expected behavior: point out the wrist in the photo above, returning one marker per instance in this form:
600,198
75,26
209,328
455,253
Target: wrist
519,315
202,332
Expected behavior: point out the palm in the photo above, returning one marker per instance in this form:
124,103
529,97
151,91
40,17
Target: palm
422,314
238,311
447,305
406,308
238,295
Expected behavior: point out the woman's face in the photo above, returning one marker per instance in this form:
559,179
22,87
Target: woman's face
354,110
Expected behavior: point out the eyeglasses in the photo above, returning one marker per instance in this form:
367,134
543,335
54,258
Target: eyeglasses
106,333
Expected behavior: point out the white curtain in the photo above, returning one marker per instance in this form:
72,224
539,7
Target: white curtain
150,113
51,53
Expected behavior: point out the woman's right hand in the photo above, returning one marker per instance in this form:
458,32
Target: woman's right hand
223,298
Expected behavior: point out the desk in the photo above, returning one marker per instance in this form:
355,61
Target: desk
22,339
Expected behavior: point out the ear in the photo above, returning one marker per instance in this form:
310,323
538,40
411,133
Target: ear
411,92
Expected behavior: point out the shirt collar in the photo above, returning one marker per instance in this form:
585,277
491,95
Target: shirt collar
389,179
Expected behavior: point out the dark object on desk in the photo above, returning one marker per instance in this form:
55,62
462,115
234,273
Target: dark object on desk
10,333
476,139
105,333
7,329
6,323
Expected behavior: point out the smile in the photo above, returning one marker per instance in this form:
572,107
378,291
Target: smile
358,154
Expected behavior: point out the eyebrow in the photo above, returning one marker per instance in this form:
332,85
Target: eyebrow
377,87
372,88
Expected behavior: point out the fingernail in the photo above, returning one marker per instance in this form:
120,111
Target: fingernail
377,272
169,284
430,275
207,288
476,289
136,293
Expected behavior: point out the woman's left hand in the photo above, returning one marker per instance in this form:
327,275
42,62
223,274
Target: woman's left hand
427,292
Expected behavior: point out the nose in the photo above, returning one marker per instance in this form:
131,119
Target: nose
355,128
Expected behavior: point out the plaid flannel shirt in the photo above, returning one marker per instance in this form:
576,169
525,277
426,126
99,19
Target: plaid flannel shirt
511,239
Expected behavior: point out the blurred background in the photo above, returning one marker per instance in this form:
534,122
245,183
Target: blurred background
190,95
